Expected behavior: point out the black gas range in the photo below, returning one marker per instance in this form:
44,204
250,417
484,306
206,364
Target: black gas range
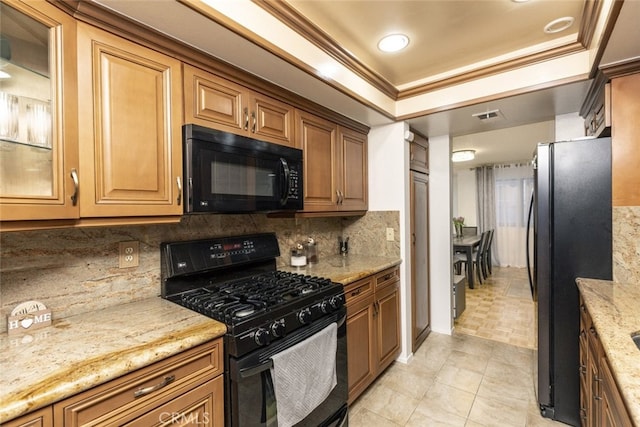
235,281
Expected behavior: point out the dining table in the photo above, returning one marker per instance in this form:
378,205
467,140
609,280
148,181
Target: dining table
466,244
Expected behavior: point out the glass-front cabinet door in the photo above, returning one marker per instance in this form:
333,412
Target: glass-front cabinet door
38,113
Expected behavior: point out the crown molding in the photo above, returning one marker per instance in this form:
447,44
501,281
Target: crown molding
289,16
281,10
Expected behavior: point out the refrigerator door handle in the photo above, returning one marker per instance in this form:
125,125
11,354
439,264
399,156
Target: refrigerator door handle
527,248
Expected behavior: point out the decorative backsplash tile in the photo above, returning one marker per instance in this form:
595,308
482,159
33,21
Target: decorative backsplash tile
74,271
626,244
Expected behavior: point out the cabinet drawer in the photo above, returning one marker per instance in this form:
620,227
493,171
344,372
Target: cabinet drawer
387,276
133,394
358,290
203,406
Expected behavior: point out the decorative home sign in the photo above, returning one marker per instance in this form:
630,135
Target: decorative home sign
28,316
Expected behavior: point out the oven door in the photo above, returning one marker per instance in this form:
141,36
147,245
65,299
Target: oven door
251,400
230,173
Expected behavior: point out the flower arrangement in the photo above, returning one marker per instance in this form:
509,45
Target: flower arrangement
458,223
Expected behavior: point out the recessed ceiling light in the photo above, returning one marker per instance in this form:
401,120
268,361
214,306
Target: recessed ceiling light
393,43
463,155
558,25
519,1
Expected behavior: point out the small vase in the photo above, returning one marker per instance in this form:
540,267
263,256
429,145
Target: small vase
458,230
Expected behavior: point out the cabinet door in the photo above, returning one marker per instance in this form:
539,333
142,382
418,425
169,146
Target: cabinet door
40,418
271,120
202,406
387,324
38,123
420,313
614,413
318,140
625,110
214,102
593,370
360,346
352,167
130,128
419,154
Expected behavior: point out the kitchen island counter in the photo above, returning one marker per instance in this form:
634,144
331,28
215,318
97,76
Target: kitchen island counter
79,352
614,311
346,269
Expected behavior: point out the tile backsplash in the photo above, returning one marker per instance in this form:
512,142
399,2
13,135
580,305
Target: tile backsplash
74,271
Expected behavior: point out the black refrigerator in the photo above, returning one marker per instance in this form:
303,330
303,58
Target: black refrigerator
572,220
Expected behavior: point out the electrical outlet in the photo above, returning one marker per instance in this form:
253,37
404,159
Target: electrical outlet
390,237
129,254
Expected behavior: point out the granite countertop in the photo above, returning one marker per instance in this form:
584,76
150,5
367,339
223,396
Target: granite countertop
345,269
614,310
76,353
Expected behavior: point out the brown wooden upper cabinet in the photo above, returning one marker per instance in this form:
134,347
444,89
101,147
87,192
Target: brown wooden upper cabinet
38,129
335,165
130,120
215,102
419,154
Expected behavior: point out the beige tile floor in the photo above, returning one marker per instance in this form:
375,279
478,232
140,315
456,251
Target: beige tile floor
459,380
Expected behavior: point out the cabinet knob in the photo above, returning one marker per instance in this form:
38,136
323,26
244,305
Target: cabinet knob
246,119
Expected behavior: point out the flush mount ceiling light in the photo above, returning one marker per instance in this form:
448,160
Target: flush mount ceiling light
393,43
463,155
558,25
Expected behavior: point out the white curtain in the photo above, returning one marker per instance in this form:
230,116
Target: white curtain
513,189
485,183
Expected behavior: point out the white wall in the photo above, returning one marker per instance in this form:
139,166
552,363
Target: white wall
389,189
440,233
464,196
569,126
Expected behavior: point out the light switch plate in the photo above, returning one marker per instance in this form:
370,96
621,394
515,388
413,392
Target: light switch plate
390,237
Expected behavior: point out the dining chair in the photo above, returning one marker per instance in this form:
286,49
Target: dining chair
477,258
479,254
487,254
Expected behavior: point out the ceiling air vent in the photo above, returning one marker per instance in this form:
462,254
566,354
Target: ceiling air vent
486,115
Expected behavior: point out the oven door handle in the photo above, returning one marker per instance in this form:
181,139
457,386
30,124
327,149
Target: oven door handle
249,372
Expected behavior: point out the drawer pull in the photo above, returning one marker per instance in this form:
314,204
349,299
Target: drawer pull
144,391
356,292
388,276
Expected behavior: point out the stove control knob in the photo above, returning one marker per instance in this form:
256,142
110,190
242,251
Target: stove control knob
261,337
335,302
325,306
278,328
304,316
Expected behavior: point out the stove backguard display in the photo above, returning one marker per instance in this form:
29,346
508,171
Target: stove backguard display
216,256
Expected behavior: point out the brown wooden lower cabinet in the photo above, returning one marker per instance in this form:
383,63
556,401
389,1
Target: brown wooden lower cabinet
185,389
601,404
373,328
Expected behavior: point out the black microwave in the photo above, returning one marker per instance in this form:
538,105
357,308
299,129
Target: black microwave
230,173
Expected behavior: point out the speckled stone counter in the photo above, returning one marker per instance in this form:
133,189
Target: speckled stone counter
346,269
79,352
615,311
